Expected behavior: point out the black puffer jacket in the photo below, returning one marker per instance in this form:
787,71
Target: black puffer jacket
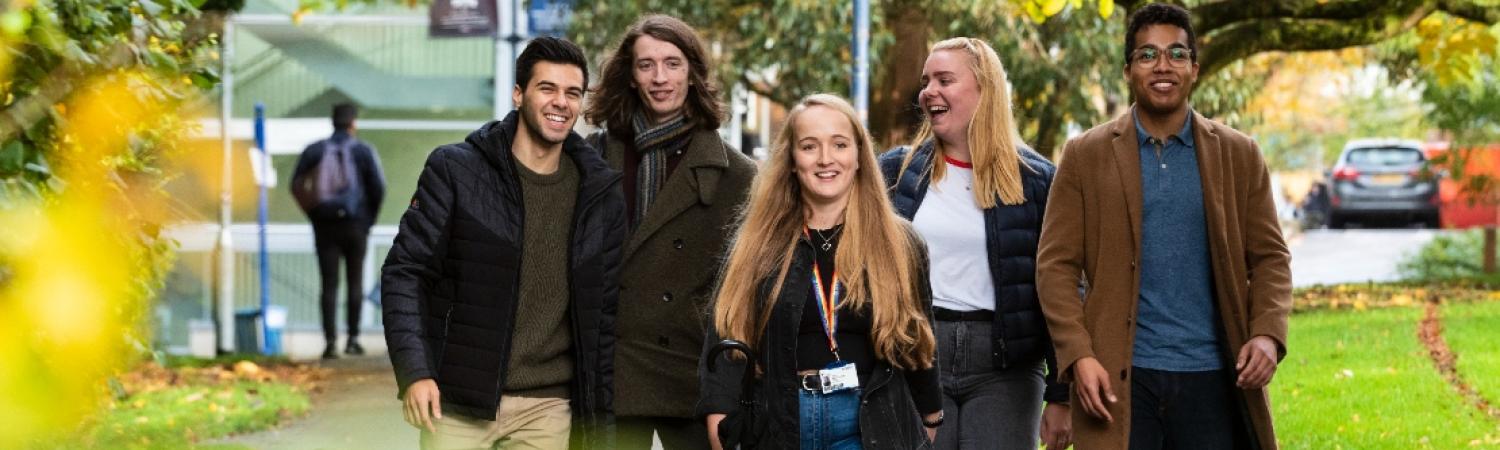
888,417
1011,234
452,279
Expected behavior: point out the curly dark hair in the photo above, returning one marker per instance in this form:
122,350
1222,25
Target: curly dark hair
615,102
1160,14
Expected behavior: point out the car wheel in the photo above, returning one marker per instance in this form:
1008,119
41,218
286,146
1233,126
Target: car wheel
1433,221
1335,221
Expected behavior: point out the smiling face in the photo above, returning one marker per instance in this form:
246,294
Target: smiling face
549,106
1160,84
950,94
825,154
660,76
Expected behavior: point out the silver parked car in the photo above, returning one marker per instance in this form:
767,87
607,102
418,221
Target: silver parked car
1382,178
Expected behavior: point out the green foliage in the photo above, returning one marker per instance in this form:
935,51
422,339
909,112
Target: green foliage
69,46
178,417
1363,380
1455,256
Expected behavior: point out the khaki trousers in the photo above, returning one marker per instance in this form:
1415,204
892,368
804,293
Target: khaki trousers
521,423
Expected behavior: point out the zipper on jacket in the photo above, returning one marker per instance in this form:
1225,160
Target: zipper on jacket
515,306
579,212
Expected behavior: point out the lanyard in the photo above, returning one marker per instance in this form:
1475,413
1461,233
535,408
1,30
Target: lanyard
828,304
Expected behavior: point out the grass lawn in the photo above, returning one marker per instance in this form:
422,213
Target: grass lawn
178,416
1361,380
1473,333
192,400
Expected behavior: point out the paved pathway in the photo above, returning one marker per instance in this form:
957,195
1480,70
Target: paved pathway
357,409
1353,256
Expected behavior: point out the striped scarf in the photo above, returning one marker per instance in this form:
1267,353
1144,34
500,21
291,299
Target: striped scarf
655,144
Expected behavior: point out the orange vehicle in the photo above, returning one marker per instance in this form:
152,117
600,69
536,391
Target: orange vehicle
1459,206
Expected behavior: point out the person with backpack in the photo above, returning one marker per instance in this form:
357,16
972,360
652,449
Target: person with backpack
339,185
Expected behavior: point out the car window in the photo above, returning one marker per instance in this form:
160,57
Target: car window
1385,156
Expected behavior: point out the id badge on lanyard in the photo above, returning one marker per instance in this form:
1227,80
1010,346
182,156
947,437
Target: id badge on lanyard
839,375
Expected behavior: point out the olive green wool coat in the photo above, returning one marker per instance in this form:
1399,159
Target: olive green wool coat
670,268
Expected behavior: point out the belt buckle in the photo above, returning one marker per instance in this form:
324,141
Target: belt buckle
815,377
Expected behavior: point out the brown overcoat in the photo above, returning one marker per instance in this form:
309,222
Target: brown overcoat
1092,231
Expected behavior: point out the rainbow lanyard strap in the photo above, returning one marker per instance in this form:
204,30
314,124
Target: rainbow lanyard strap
827,304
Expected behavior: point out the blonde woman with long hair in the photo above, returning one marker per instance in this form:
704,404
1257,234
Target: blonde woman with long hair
977,195
829,287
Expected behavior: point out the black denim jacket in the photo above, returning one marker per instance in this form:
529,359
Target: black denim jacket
888,417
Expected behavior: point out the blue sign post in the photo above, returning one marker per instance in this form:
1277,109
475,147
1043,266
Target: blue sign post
263,180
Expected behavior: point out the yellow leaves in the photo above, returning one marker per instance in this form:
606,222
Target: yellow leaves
193,397
69,302
1040,10
299,14
246,369
1452,48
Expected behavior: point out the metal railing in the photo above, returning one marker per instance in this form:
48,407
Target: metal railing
295,283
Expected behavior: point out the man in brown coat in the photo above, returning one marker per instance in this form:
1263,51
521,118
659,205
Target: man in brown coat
1166,219
683,186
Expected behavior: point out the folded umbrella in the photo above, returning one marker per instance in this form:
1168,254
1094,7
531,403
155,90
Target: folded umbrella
740,429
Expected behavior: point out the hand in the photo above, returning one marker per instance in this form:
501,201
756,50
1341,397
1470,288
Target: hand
421,397
1057,426
1257,363
1091,386
713,431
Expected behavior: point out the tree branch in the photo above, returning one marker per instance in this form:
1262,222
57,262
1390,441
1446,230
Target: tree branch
1469,10
1210,17
1243,39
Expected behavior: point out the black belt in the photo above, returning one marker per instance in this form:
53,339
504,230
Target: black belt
810,382
948,315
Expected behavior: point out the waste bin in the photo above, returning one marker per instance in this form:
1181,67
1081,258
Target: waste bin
247,331
275,322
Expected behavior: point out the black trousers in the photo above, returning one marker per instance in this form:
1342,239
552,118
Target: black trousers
634,433
334,241
1186,410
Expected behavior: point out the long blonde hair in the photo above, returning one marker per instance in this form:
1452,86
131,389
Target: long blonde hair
877,260
992,135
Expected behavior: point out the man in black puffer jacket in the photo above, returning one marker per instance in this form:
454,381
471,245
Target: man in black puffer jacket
501,288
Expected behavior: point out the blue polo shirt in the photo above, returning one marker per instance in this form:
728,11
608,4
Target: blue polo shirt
1176,326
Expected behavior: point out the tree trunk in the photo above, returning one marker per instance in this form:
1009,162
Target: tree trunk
1489,249
891,108
1049,122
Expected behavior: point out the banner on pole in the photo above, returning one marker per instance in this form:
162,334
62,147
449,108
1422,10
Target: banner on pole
462,18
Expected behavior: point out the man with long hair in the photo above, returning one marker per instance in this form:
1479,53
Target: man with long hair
660,110
1168,219
501,287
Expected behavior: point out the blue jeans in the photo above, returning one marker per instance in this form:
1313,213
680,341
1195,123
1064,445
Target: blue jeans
985,406
829,421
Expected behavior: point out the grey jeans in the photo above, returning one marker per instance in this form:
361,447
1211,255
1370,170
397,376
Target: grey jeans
984,406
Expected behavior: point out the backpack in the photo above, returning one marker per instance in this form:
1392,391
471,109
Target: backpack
330,189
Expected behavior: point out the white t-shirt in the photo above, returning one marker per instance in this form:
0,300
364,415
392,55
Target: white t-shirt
953,226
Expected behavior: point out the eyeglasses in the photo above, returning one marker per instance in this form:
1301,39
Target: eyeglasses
1177,56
